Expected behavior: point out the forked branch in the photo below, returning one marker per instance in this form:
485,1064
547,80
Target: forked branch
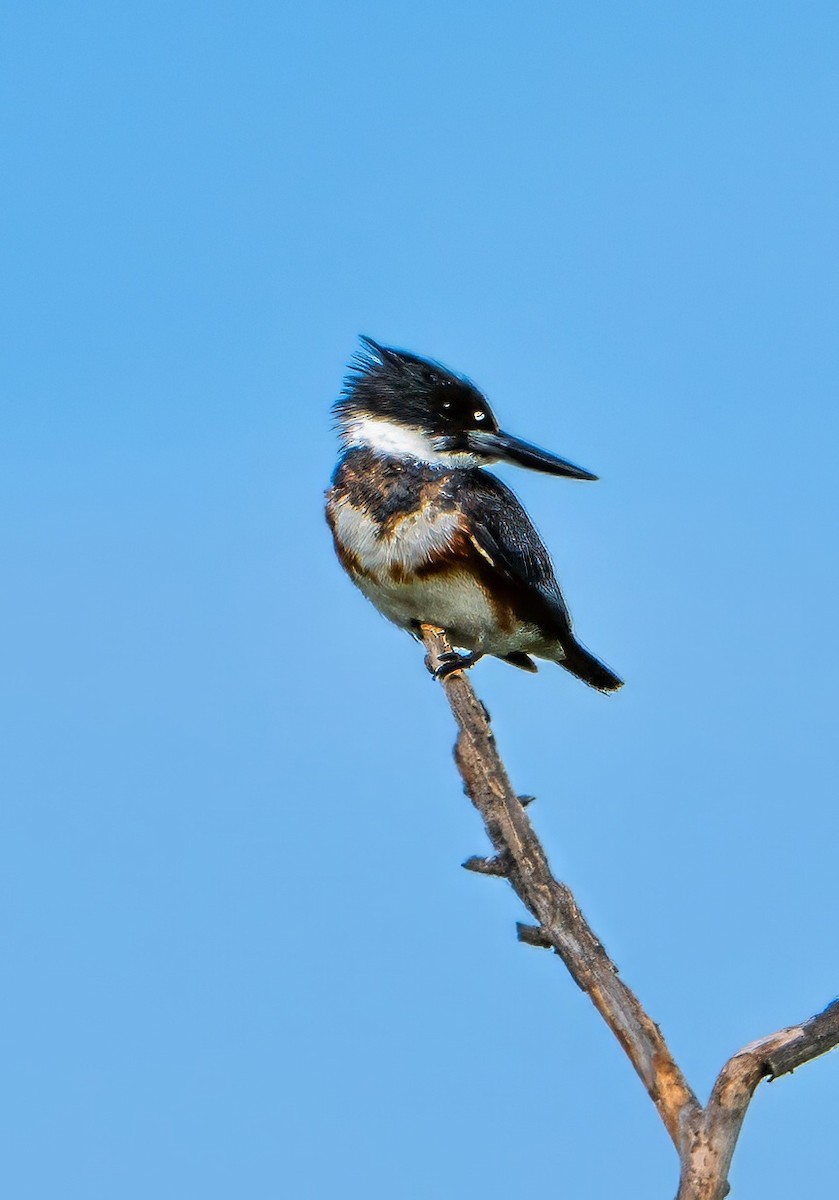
704,1137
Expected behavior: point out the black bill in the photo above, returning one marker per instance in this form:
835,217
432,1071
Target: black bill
510,449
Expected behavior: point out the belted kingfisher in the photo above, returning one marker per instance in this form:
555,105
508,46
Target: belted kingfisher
432,538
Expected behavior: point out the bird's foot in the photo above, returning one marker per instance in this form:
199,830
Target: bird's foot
451,661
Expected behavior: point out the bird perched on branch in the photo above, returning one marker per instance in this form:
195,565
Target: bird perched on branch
432,538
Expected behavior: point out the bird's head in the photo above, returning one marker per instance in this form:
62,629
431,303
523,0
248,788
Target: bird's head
402,405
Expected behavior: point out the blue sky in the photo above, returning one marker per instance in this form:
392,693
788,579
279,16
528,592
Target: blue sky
241,958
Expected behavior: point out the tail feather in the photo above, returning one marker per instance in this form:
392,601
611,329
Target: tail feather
591,670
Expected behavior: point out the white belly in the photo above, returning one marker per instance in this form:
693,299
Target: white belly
454,600
415,541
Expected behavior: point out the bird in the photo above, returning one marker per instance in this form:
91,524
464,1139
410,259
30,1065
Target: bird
429,535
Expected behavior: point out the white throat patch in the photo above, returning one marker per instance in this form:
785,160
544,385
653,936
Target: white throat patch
403,441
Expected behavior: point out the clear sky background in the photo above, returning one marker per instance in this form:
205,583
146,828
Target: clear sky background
240,957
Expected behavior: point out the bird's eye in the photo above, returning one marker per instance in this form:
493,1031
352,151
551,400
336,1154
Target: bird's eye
447,404
479,415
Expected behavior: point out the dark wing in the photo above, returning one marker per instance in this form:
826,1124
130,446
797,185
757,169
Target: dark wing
504,535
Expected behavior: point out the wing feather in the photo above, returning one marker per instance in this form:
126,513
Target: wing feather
503,534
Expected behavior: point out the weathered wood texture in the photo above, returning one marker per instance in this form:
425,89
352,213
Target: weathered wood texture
704,1137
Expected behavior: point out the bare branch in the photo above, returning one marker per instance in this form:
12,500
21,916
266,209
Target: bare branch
534,935
705,1138
561,923
496,864
708,1158
791,1048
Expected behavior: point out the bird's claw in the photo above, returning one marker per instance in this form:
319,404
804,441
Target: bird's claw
450,661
